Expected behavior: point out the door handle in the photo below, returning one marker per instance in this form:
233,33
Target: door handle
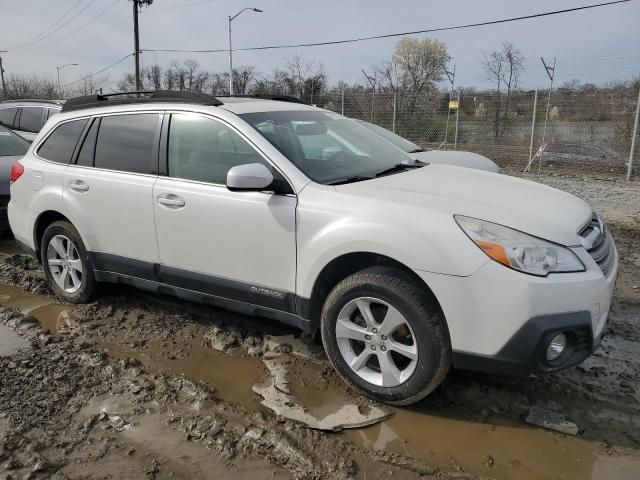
171,200
79,186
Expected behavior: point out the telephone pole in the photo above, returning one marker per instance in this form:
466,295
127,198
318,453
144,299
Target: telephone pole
136,38
4,86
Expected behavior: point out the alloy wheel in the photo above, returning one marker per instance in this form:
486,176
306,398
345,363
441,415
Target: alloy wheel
376,341
64,263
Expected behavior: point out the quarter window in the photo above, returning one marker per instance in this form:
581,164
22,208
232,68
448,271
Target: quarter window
126,142
204,149
7,115
59,146
31,119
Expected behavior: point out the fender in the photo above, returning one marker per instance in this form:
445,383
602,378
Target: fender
411,247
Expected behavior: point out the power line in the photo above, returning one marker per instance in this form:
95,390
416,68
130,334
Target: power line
50,26
57,29
401,34
82,27
183,5
99,71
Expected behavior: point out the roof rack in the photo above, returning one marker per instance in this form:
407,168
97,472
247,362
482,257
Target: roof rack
151,96
34,100
268,96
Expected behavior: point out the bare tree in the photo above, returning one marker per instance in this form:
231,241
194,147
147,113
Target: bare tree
503,67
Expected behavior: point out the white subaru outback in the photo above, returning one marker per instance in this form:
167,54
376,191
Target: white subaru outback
271,207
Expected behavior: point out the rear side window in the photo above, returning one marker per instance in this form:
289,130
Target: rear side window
31,119
126,142
7,115
59,146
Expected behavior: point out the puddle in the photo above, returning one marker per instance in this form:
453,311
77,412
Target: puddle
10,341
231,377
51,316
319,396
151,436
496,448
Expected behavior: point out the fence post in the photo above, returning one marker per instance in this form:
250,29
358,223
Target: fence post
533,129
455,141
633,138
393,121
342,101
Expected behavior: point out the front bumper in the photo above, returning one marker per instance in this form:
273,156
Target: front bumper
501,320
526,351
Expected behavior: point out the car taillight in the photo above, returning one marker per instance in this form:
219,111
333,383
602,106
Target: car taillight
16,172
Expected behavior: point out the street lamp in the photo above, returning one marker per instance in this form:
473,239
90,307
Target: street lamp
231,19
58,69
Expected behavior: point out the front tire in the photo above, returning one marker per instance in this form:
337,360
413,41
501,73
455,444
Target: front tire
386,336
66,263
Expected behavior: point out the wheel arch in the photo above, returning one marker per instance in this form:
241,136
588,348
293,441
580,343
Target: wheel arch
43,220
347,264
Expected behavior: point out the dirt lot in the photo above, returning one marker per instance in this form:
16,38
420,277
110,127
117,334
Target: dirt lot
141,386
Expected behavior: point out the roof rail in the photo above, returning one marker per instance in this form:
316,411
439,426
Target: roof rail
269,96
34,100
151,96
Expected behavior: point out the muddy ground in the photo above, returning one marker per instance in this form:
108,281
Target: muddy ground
131,386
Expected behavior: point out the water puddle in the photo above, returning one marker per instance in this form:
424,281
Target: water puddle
10,341
450,440
494,448
231,377
51,316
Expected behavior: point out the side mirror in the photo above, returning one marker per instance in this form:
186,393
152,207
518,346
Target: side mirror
251,176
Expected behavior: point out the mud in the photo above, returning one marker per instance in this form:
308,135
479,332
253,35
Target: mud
141,386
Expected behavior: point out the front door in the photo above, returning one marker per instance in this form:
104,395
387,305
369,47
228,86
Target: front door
234,245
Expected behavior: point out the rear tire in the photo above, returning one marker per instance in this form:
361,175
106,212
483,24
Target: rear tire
386,336
66,263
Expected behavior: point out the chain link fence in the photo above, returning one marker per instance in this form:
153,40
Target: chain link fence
572,132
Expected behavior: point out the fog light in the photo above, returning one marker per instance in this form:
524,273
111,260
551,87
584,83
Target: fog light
556,347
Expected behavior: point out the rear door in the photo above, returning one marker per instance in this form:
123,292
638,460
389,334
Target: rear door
108,192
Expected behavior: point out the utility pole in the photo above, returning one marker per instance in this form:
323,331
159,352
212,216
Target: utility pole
4,86
136,38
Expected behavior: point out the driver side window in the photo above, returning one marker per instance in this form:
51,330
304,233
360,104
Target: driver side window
205,149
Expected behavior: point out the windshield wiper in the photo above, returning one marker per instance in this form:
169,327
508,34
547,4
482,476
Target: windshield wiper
417,150
352,179
399,167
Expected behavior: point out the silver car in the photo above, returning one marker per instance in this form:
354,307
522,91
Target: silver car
26,117
447,157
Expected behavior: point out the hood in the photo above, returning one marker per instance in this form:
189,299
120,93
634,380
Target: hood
459,159
527,206
5,169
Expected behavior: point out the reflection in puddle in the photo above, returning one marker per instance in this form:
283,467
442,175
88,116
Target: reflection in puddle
231,377
51,316
499,449
10,341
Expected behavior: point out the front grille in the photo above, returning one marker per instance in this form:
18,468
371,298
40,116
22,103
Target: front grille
597,240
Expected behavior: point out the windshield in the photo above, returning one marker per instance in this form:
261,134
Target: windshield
327,147
389,136
11,144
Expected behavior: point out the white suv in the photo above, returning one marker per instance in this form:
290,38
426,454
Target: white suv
275,208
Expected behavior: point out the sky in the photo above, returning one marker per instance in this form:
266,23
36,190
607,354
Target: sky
597,45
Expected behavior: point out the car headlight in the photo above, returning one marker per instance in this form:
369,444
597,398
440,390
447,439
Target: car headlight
518,250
